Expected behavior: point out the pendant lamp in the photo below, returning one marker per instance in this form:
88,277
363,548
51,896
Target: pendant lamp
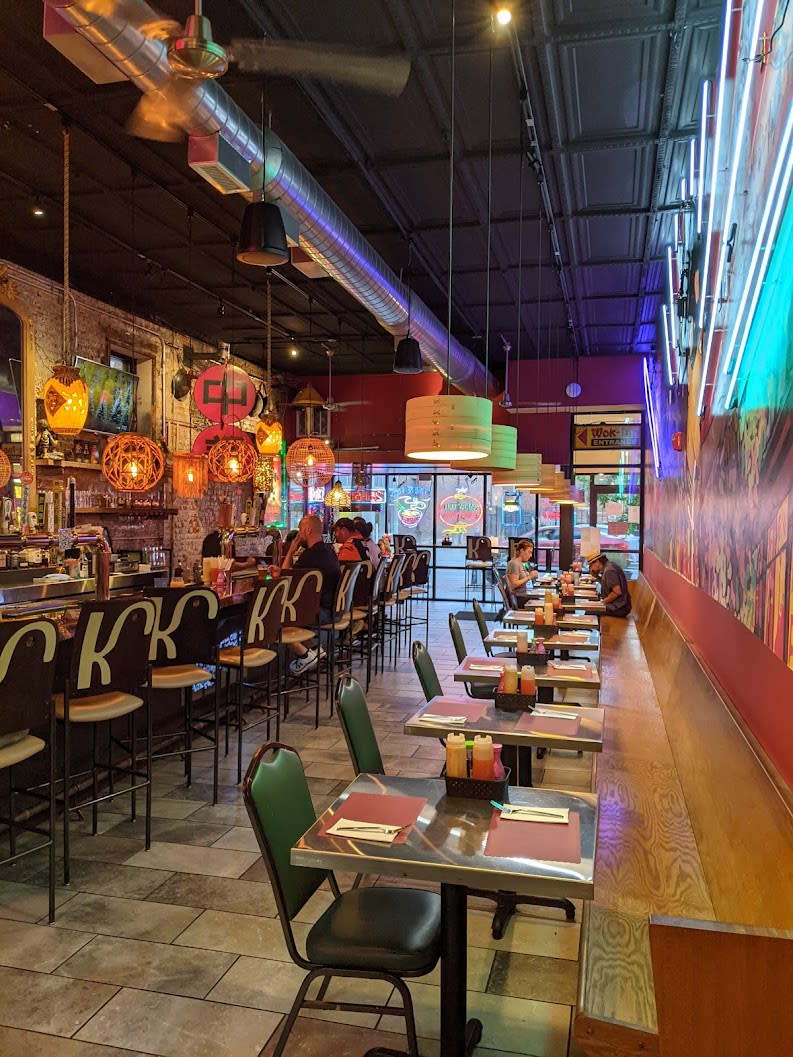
310,462
264,475
525,474
337,496
262,240
132,462
407,357
5,469
231,461
448,428
503,452
65,394
547,481
190,475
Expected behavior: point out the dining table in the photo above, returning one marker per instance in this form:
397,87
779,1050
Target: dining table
555,675
564,620
463,843
563,641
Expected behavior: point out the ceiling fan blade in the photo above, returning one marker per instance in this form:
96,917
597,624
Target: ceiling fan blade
386,74
157,117
138,13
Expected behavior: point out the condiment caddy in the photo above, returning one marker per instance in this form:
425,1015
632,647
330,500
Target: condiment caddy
516,690
479,773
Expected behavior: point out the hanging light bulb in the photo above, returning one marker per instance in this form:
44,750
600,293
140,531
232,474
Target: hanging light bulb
190,475
65,394
338,496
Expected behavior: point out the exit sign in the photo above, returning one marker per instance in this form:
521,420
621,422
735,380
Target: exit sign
624,435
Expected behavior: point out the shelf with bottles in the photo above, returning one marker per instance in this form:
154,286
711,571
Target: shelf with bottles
67,464
126,511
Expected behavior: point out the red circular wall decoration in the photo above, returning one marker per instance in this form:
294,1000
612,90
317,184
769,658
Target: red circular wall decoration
224,393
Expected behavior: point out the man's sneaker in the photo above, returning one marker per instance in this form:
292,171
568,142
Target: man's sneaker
307,662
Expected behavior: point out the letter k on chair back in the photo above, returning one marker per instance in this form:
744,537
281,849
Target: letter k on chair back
370,933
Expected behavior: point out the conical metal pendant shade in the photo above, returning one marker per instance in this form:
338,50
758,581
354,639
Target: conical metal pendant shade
407,357
262,236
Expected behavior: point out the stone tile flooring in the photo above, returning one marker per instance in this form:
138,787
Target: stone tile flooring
177,951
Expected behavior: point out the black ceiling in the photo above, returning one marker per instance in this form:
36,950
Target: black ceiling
614,88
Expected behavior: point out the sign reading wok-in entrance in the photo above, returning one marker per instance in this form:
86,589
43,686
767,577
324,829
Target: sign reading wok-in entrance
619,435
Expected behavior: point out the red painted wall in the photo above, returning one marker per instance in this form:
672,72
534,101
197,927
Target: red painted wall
758,684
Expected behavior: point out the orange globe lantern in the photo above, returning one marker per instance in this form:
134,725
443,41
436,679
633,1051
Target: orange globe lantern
231,461
310,462
190,475
65,399
5,469
132,462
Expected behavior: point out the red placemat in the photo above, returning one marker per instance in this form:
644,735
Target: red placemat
454,706
552,841
548,725
376,807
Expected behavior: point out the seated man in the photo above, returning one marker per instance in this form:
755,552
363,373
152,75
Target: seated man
352,547
308,550
613,584
521,572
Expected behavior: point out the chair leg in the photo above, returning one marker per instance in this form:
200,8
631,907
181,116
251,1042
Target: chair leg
67,778
94,781
216,747
150,780
12,837
188,736
410,1020
133,741
293,1012
239,725
51,762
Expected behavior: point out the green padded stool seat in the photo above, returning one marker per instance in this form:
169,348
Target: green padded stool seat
392,930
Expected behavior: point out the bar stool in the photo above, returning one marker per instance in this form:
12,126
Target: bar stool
340,624
300,624
27,668
368,588
478,558
388,604
405,596
421,587
109,677
262,625
183,654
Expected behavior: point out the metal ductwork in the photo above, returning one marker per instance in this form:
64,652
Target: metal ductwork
326,234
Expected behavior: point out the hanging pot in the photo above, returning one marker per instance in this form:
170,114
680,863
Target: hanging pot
258,404
181,383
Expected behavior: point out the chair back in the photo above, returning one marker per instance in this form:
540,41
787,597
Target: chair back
263,619
185,625
408,569
425,670
345,590
421,573
27,668
457,638
481,622
478,548
279,806
393,577
403,543
356,723
111,647
364,582
380,577
301,600
508,599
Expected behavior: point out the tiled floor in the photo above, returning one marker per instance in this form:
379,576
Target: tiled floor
177,951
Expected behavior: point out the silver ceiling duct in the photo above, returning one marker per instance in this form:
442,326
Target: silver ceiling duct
326,234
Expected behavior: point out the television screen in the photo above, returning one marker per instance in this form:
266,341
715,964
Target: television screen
111,397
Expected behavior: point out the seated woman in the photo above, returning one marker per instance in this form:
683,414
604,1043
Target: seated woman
521,572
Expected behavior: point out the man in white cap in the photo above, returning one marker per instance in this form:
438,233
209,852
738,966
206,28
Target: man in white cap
613,585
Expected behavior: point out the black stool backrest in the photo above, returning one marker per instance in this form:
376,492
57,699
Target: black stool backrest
483,549
111,646
264,617
406,577
27,668
380,577
342,603
364,582
185,628
421,573
394,576
301,600
404,543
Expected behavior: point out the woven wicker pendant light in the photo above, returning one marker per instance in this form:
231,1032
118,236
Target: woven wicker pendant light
190,475
337,496
448,428
5,469
132,462
231,461
310,462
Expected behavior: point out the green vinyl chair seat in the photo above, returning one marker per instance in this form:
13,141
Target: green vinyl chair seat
396,930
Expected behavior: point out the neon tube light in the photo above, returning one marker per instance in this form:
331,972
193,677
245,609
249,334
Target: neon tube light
703,143
648,399
670,269
692,152
727,219
667,347
750,288
683,190
714,175
779,206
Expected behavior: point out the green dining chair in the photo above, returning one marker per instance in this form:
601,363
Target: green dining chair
378,933
481,623
479,692
356,724
425,670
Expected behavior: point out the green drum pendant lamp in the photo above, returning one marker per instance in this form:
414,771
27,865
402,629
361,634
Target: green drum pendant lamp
503,451
525,474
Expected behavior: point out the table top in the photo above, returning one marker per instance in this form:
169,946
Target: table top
570,620
446,843
487,671
509,728
508,638
585,605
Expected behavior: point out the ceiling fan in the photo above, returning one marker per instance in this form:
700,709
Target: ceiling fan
193,53
331,404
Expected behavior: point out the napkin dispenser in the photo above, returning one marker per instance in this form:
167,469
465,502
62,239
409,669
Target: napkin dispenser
514,702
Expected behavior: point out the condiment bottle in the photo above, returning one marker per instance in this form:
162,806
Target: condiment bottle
540,647
528,683
510,679
498,767
548,612
548,595
556,602
456,757
482,758
539,615
523,642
